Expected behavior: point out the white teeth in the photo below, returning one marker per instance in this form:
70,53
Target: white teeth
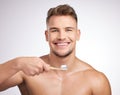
62,44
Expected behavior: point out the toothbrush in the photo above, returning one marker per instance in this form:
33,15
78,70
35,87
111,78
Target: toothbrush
63,67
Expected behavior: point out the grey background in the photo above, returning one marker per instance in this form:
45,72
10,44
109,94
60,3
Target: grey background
22,26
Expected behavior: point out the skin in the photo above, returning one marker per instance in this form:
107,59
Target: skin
34,76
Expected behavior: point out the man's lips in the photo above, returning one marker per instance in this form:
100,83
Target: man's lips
62,43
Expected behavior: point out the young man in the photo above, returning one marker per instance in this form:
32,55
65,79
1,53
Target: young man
34,75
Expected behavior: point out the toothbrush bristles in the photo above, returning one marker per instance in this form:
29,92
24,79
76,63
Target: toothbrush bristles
64,67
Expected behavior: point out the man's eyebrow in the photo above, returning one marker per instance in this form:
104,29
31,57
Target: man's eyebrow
53,28
58,28
69,28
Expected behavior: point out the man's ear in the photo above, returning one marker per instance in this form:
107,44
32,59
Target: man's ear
46,35
78,34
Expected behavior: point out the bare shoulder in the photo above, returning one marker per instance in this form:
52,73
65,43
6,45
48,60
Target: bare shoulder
97,80
90,72
95,77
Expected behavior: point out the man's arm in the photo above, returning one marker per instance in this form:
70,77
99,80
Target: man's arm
11,72
7,70
16,79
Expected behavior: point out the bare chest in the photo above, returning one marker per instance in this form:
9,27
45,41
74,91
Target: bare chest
52,85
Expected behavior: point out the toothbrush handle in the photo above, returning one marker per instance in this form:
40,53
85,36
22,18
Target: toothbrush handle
54,68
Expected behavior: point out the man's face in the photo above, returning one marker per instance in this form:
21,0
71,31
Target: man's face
62,34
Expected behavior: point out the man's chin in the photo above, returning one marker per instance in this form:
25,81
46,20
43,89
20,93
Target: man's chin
62,55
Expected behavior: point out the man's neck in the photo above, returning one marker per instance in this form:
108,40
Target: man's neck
56,61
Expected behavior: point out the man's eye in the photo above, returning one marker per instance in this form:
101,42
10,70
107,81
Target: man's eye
54,30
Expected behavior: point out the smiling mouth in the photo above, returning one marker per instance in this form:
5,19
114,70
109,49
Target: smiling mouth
62,44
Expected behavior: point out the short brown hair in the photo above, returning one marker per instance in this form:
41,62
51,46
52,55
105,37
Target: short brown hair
61,10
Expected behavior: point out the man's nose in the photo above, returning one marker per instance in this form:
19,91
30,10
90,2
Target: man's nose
62,35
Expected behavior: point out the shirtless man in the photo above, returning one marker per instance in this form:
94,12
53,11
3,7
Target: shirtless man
34,75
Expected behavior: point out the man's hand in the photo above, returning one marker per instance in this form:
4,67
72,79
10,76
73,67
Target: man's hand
32,65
